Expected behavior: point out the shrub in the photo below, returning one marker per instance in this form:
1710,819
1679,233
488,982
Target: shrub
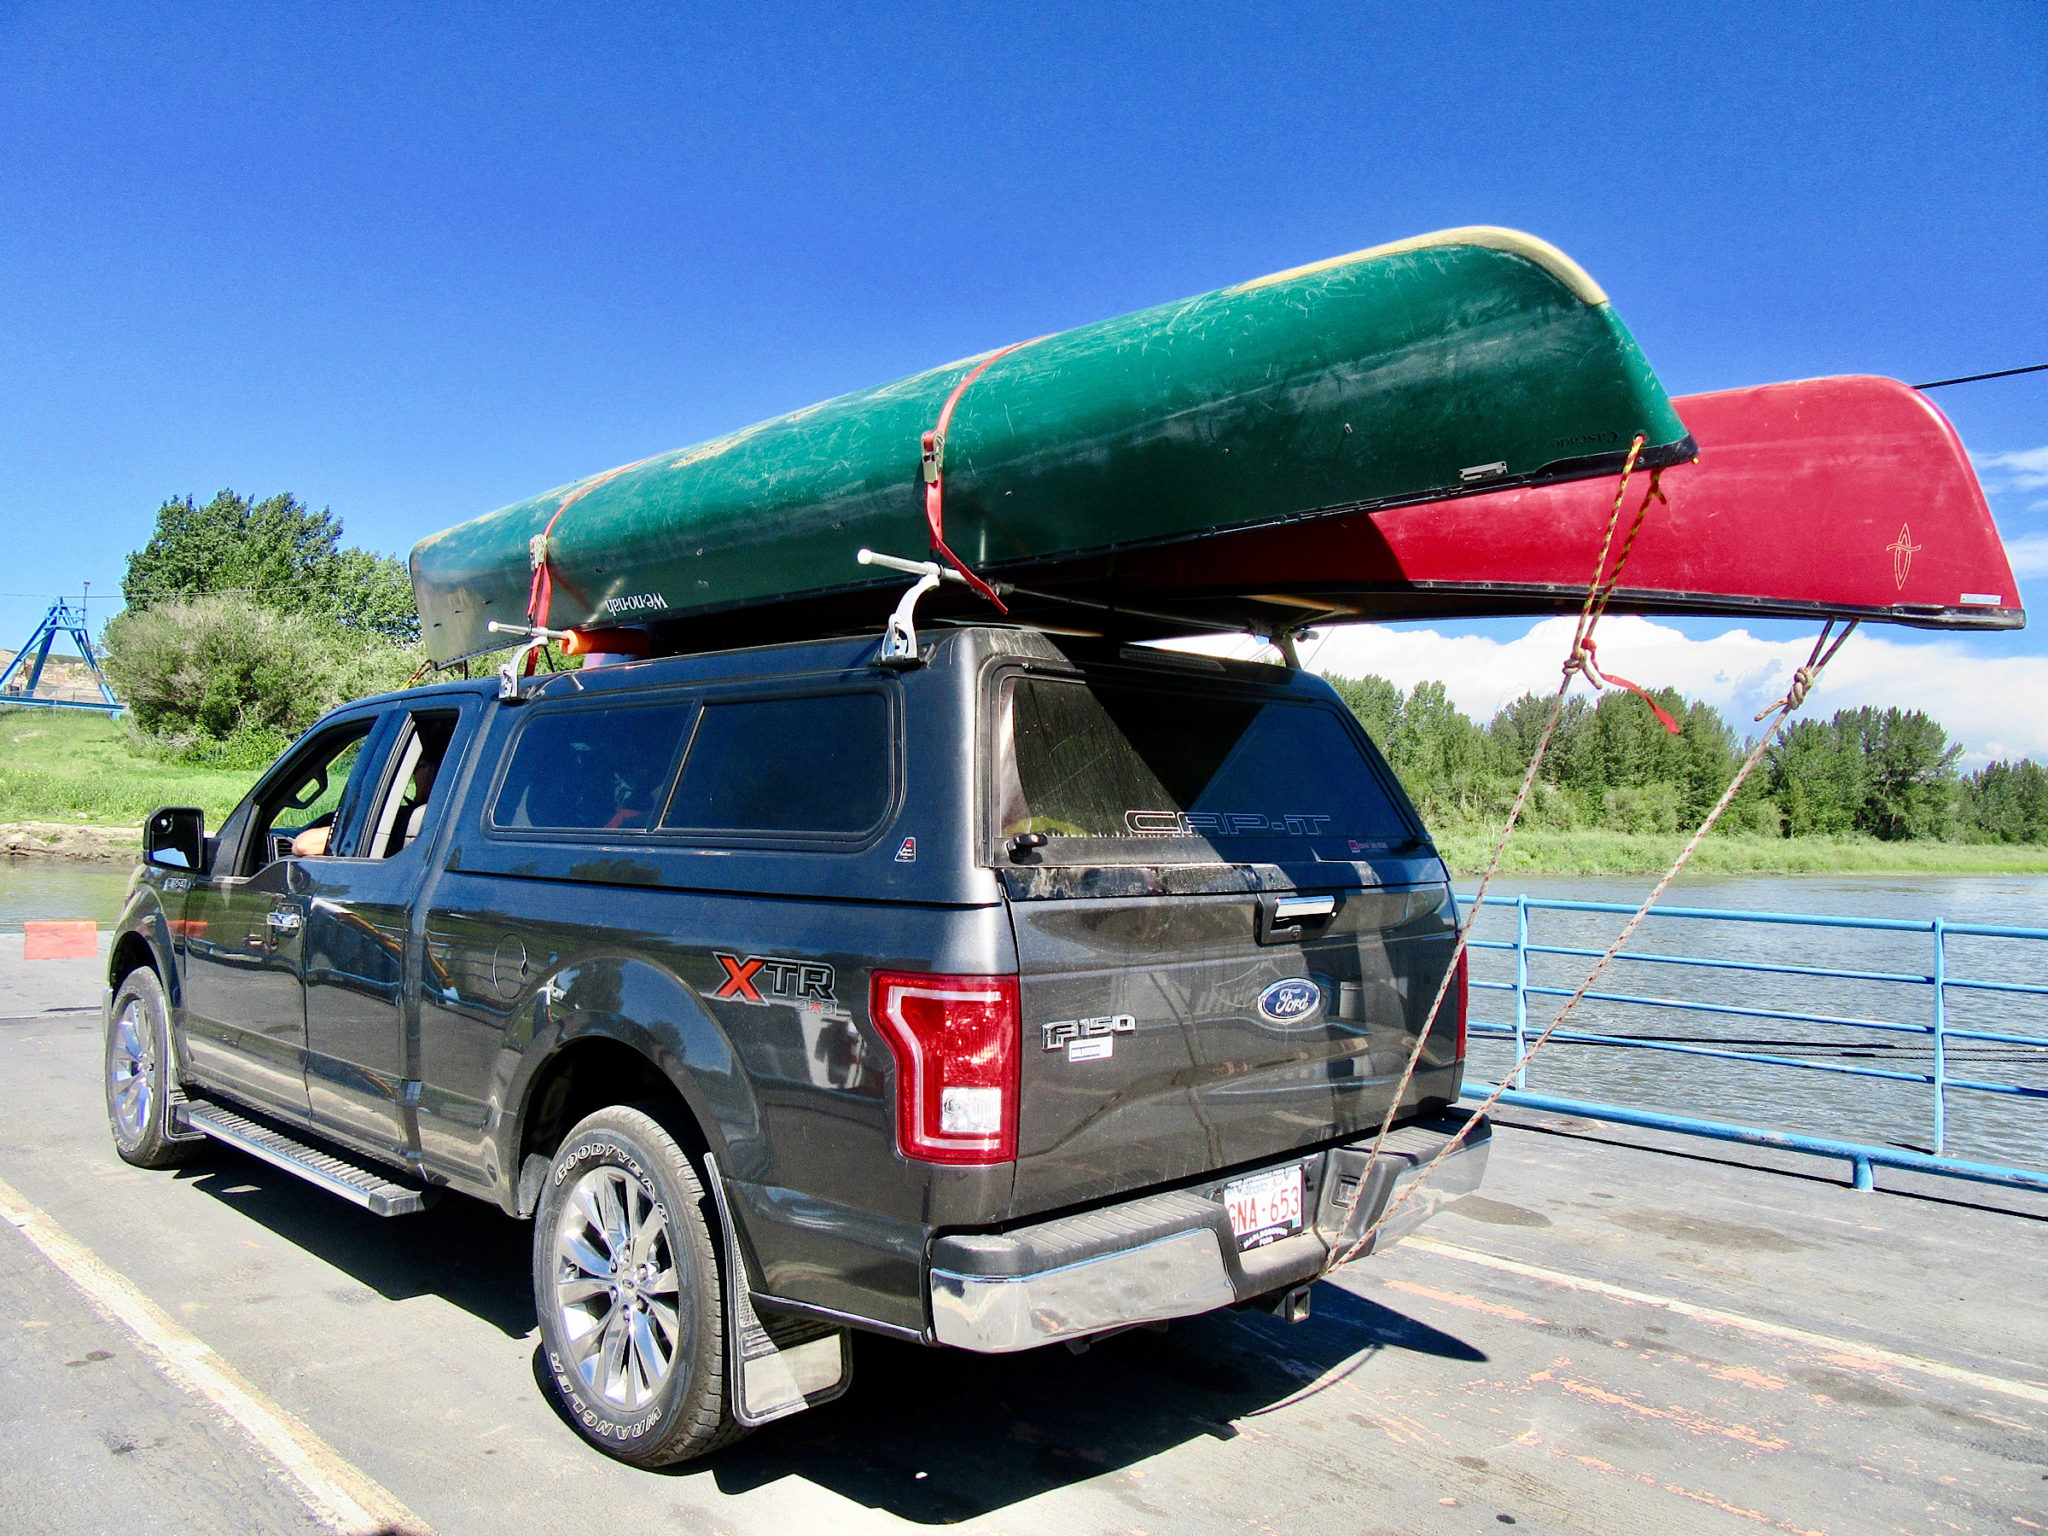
228,680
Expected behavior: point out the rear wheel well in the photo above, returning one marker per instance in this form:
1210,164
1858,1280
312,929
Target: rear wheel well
580,1079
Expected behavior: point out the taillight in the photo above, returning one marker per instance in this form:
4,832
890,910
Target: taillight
955,1043
1462,990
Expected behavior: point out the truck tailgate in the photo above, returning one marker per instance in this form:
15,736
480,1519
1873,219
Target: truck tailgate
1170,1036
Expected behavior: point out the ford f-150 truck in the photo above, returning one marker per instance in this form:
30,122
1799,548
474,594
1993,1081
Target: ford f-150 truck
1017,990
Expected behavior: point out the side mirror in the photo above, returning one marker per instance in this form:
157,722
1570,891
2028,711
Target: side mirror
174,837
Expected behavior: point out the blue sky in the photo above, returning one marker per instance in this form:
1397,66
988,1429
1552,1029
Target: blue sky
417,262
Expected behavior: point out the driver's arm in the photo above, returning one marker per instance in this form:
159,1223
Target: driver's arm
311,841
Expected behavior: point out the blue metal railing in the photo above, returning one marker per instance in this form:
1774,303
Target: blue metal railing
1938,1026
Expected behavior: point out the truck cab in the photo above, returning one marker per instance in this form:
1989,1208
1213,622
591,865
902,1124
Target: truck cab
1027,990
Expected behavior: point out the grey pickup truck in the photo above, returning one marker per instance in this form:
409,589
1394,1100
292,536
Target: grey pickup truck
1004,990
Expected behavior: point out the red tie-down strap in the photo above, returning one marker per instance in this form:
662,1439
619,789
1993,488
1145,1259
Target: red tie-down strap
540,595
542,592
935,475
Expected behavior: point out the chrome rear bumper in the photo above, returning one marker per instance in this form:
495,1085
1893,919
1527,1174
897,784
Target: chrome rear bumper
1173,1254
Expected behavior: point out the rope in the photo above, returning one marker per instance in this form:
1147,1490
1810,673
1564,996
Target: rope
1584,659
1598,591
1802,684
934,463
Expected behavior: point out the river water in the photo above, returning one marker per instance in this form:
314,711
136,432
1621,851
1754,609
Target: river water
1991,1127
49,888
1818,1098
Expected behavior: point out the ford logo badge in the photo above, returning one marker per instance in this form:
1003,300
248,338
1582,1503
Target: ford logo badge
1296,1000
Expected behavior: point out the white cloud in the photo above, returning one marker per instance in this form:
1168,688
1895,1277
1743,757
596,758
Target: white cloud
2028,468
1997,707
2029,554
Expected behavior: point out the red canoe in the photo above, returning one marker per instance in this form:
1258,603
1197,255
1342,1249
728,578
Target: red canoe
1847,497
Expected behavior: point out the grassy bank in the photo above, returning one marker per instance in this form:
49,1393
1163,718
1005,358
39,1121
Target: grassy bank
1636,853
56,765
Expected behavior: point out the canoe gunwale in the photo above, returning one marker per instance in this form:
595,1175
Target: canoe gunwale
1557,471
1152,615
1454,600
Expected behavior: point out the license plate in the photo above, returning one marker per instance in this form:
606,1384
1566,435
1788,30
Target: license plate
1265,1207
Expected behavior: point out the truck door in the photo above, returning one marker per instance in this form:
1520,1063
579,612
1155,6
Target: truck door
244,926
359,907
1228,926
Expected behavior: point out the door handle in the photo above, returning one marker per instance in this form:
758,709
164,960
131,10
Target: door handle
1292,909
283,922
1291,919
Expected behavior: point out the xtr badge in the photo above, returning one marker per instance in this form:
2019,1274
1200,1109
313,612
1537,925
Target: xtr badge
765,979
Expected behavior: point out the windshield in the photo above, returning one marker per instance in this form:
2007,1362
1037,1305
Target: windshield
1112,773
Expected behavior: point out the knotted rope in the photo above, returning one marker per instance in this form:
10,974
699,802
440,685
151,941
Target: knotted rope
1802,684
1598,591
1584,658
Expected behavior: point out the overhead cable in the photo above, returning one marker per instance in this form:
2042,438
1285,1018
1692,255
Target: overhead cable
1973,378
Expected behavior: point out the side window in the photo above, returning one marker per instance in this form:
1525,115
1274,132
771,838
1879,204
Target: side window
806,767
402,816
591,769
297,813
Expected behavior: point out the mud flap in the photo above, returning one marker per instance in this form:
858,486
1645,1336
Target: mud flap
773,1370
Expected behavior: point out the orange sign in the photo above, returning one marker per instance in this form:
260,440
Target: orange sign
66,940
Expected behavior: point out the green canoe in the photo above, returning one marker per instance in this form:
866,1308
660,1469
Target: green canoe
1462,361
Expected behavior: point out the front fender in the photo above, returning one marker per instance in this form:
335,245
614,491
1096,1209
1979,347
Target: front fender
629,1000
144,918
144,922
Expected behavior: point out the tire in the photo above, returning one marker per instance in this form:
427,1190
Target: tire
137,1074
635,1350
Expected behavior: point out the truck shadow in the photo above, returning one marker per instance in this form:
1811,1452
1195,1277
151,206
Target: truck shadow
469,1254
930,1435
936,1436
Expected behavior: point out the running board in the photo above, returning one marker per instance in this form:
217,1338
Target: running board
372,1191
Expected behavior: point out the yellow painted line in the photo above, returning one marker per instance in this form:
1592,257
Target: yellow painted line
1848,1352
339,1496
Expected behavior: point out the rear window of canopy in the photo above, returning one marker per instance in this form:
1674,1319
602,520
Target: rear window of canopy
1116,774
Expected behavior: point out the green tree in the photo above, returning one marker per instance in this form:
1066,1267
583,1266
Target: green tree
2005,802
1375,701
1433,742
1818,774
1517,726
1441,757
1912,772
277,554
1886,773
1621,745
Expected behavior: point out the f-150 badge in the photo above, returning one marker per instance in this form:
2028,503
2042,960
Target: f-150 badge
1088,1039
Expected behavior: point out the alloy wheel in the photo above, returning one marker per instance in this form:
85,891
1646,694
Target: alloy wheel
130,1083
616,1291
